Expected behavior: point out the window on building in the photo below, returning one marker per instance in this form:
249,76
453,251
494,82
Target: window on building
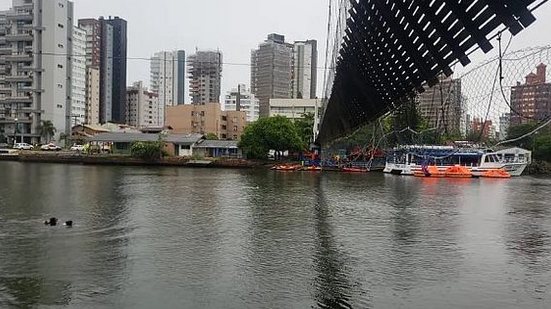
60,45
60,26
60,66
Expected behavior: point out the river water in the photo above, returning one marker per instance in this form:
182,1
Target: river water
202,238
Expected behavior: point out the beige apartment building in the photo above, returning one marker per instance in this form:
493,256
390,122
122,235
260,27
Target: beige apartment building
92,95
204,119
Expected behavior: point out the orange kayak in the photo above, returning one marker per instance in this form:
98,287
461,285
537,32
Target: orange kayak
432,172
499,173
354,170
312,169
458,172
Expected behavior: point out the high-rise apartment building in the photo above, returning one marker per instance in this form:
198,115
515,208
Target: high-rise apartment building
119,59
93,40
205,77
35,68
271,71
241,99
305,73
483,128
143,107
531,101
168,77
94,51
106,52
92,95
441,105
78,77
504,124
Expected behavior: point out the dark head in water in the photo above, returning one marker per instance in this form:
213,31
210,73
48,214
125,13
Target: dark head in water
69,223
51,222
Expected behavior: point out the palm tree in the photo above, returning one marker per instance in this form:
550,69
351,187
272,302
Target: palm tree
46,130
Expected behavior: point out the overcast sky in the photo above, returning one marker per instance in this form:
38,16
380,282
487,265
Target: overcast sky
235,27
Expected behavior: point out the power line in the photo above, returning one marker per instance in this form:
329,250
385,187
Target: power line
150,59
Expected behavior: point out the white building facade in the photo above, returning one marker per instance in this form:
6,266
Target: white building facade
78,77
294,108
143,108
305,62
35,83
168,77
247,102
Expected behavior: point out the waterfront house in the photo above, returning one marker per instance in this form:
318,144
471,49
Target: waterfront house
179,145
120,143
217,149
182,145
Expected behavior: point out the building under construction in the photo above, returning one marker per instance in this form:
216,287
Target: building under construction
205,74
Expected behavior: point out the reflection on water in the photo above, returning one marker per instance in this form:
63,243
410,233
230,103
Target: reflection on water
29,292
171,238
333,289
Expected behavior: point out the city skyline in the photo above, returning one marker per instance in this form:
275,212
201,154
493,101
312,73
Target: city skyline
307,20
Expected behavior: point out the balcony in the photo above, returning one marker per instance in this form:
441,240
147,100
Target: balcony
5,50
29,68
10,120
20,16
19,78
19,57
31,88
19,37
20,99
28,26
4,89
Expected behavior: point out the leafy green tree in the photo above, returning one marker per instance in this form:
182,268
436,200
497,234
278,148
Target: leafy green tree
148,151
271,133
539,142
211,137
305,127
519,130
46,130
542,147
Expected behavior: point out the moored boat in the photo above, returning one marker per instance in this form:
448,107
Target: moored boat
499,173
458,172
312,168
413,160
286,167
354,170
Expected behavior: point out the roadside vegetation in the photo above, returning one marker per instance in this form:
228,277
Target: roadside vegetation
147,151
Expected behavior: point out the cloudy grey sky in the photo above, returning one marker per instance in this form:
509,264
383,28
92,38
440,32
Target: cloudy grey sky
235,27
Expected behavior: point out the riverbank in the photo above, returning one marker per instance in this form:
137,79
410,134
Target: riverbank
76,158
539,168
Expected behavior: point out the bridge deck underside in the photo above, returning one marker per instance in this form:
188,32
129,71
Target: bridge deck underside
393,47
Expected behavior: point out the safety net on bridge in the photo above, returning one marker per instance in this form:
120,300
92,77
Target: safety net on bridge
392,48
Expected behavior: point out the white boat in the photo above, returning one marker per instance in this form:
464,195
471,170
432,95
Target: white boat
512,160
407,160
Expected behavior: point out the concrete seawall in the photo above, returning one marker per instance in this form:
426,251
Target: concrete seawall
72,158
